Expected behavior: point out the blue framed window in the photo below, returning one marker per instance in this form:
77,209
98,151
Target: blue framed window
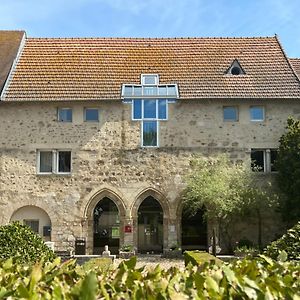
230,113
257,113
91,114
150,109
65,114
150,136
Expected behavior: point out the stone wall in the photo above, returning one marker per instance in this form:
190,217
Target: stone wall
108,161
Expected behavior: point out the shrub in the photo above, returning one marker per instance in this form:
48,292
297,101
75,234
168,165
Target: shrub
21,244
289,242
261,278
198,258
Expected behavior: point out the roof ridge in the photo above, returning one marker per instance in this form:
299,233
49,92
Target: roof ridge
153,38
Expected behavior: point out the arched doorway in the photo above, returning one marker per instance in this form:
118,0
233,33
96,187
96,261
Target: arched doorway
150,226
193,230
36,218
106,220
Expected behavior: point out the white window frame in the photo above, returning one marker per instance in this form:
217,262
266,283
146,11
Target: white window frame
55,161
264,114
64,108
266,158
157,131
91,121
143,76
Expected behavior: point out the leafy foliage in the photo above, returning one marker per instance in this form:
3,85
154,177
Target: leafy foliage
198,258
228,192
22,244
261,278
288,166
289,242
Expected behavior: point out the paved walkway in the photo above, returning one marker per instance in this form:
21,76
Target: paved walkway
151,261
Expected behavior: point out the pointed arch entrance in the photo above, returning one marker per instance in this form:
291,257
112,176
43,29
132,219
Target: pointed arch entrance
106,227
150,226
194,230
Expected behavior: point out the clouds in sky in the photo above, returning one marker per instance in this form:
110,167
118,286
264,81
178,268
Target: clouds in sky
155,18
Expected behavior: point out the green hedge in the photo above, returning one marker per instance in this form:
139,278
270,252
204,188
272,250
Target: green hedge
261,278
22,244
198,258
289,242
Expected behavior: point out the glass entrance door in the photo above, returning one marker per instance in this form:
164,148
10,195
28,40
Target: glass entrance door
150,226
106,226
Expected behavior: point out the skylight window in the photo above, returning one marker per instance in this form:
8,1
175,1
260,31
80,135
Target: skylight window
149,79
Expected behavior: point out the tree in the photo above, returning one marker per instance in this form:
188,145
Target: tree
288,166
228,191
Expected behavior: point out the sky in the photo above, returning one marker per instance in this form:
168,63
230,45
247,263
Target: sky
156,18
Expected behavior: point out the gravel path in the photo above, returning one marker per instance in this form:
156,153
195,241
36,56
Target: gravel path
151,261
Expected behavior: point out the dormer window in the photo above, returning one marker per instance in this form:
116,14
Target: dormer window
149,79
149,105
235,69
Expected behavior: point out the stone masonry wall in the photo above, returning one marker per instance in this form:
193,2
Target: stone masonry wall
107,159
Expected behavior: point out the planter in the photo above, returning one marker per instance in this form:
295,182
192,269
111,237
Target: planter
126,254
172,253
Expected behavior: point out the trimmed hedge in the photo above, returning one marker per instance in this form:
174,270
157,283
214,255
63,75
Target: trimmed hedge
260,278
289,242
22,244
198,258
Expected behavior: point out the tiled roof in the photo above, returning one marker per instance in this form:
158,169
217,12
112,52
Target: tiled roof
95,68
9,46
296,65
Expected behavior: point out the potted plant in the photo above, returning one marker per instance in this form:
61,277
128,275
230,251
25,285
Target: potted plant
126,251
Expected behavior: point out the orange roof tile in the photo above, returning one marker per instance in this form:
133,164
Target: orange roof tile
95,68
296,65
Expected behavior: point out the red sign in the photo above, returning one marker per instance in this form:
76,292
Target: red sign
128,229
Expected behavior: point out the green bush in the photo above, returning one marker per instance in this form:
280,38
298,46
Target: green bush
289,242
198,258
22,244
261,278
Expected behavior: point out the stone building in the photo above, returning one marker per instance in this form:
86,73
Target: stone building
97,134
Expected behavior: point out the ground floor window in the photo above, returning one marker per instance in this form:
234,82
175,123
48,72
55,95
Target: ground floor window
150,136
263,160
33,224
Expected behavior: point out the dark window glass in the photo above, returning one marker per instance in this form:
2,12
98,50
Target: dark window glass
162,109
65,114
149,133
257,113
274,154
33,224
137,109
149,109
64,161
257,160
45,162
230,113
92,114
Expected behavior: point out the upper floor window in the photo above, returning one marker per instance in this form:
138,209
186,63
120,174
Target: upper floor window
230,113
149,79
64,114
263,160
149,109
257,113
91,114
54,161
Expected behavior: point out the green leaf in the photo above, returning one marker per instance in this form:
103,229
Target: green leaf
211,284
131,263
89,287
